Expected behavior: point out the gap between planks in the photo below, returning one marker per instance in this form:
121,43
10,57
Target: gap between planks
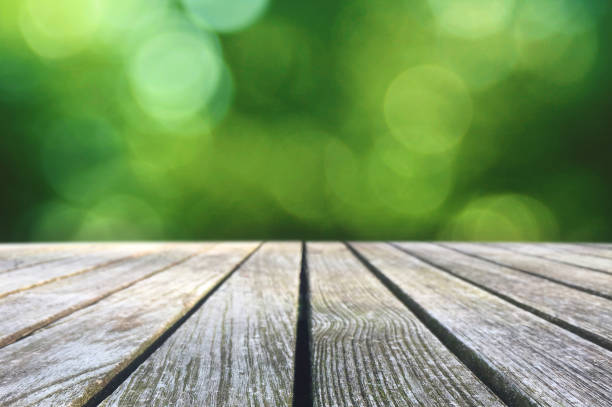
303,352
599,284
125,325
578,320
529,362
558,256
498,384
36,275
121,376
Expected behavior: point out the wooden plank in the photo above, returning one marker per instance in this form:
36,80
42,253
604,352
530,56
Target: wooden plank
23,246
74,358
587,250
607,246
237,349
369,349
527,360
25,311
15,257
43,273
561,256
582,313
573,276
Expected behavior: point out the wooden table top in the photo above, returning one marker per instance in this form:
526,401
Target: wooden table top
306,324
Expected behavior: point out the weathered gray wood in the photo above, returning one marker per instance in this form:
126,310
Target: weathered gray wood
370,350
19,247
537,362
236,350
607,246
576,310
25,311
574,276
17,256
557,254
43,273
585,249
67,362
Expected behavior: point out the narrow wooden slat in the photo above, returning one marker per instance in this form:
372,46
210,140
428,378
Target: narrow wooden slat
15,257
585,249
39,274
607,246
72,359
18,247
530,360
574,276
369,349
25,311
560,256
580,312
236,350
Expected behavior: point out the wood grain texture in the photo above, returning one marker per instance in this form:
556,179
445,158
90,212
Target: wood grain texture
43,273
25,311
576,310
557,253
573,276
585,249
539,363
17,256
370,350
236,350
67,362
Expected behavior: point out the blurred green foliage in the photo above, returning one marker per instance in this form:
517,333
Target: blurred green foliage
223,119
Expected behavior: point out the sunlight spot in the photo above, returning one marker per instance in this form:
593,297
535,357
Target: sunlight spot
508,217
481,62
225,15
409,183
428,109
472,18
120,217
175,74
60,28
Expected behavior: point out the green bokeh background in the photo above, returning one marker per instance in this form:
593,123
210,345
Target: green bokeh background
430,119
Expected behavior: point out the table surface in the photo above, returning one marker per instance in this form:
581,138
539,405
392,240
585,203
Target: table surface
303,324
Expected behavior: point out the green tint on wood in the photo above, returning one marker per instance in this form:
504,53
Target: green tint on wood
370,350
216,324
32,309
585,313
236,350
69,361
535,362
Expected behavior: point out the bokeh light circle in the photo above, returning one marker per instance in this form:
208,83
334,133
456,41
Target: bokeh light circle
556,39
473,18
509,217
60,28
175,74
120,217
481,62
428,109
124,18
410,183
544,18
225,15
56,220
